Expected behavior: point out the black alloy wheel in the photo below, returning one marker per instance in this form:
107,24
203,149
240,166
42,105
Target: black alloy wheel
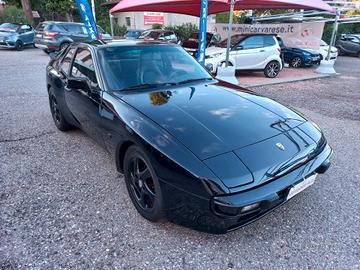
272,69
296,62
19,45
142,183
58,117
55,110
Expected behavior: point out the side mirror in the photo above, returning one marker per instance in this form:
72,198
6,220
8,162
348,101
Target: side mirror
239,47
78,83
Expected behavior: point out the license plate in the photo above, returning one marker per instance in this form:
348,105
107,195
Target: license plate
301,186
315,58
38,35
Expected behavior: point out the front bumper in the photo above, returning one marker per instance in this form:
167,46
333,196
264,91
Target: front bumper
313,60
7,44
203,214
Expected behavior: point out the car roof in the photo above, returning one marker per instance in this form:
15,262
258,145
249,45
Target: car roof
126,42
57,22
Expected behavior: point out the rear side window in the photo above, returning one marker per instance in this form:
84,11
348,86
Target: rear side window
253,42
269,41
44,27
72,28
83,66
66,62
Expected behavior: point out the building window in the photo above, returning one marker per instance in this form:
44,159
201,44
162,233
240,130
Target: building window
128,21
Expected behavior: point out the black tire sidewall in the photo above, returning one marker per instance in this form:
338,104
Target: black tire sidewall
62,125
156,213
19,45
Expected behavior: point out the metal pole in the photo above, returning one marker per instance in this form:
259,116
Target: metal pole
93,9
111,25
232,5
333,36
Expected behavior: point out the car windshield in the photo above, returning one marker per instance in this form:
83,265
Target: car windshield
132,34
196,36
9,27
151,34
234,40
148,66
323,43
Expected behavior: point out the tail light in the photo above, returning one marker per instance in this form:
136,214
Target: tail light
51,34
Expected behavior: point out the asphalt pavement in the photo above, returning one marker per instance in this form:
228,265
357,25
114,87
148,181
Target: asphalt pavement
64,206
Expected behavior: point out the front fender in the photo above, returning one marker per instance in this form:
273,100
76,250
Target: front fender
178,157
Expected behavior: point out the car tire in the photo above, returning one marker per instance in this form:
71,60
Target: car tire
272,69
142,183
34,45
57,115
358,55
340,51
64,45
19,45
296,62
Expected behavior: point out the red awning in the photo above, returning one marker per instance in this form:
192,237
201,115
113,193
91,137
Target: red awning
192,7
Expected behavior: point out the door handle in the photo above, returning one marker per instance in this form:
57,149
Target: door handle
262,50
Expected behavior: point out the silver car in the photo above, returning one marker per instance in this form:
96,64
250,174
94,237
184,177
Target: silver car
16,36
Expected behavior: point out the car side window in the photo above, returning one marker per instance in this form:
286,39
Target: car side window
253,42
66,62
269,41
83,66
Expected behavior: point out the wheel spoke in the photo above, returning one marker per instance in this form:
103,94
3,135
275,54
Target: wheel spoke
145,174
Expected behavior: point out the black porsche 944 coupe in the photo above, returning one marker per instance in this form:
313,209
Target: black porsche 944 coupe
197,151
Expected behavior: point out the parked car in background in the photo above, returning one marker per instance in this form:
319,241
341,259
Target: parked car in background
349,45
248,52
297,57
16,36
324,49
55,36
159,34
191,45
133,34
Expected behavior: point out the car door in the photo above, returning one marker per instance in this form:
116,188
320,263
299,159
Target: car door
26,34
353,45
85,103
249,53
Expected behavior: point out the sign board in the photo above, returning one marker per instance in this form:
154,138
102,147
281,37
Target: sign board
295,35
202,34
153,18
88,19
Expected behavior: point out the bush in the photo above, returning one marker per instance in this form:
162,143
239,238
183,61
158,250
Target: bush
13,14
183,31
156,26
119,30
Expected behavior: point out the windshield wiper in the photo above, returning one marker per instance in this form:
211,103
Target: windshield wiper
145,86
195,80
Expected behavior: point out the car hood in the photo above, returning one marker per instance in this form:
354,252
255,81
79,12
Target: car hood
237,134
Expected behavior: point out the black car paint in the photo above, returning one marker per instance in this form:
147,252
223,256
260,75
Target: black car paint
192,181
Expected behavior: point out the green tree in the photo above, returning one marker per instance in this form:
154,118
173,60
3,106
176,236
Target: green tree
13,14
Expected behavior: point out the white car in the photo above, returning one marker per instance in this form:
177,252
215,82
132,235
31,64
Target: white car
324,49
248,52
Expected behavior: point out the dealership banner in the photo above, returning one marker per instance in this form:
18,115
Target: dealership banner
202,34
153,18
88,19
295,35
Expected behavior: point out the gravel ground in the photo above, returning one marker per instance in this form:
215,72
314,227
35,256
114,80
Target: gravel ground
64,206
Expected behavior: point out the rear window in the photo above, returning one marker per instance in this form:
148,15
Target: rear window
270,41
44,27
